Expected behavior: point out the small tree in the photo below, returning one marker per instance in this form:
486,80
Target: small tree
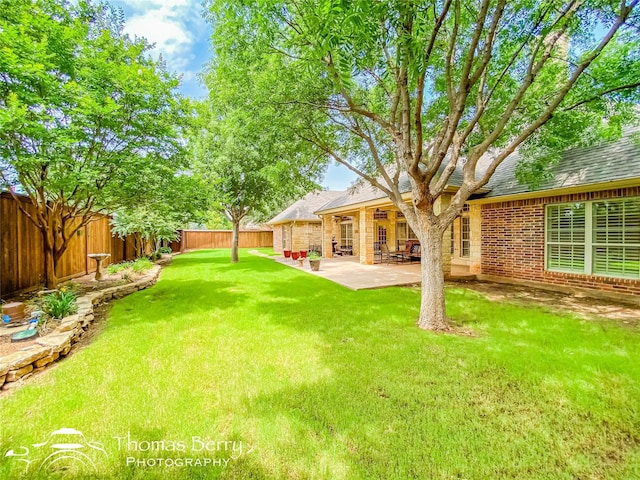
423,89
243,180
88,121
247,149
147,226
182,199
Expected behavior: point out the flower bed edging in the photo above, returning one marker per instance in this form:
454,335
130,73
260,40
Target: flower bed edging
17,367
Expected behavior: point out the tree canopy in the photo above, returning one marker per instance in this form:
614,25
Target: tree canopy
88,121
422,89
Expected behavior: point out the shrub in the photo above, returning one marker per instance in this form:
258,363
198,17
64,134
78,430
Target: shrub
60,304
141,264
165,250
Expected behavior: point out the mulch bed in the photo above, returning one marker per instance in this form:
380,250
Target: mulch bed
7,347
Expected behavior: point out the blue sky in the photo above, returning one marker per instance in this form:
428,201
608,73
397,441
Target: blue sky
181,36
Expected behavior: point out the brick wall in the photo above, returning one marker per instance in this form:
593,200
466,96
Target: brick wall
305,234
277,238
513,242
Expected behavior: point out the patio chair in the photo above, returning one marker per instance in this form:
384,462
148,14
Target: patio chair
415,253
287,254
377,253
303,253
404,255
385,254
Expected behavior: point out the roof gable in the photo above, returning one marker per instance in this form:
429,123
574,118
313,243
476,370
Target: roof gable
302,210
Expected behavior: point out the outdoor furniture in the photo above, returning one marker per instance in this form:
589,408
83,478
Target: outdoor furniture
381,251
303,254
415,252
408,253
345,250
287,254
295,255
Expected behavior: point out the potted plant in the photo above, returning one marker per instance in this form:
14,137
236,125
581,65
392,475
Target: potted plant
314,261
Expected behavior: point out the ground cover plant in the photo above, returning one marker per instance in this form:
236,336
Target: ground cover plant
318,381
138,265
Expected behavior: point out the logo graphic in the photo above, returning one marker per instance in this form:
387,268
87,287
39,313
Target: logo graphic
65,449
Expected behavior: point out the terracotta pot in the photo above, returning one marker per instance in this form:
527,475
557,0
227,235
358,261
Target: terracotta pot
315,265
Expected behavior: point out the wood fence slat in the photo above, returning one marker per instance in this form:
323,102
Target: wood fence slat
22,256
200,239
21,249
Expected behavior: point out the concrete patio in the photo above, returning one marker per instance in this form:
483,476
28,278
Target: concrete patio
350,273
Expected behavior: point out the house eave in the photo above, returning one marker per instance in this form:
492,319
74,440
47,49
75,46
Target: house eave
382,201
295,220
593,187
376,202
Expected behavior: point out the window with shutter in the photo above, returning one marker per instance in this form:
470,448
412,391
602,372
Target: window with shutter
566,237
616,238
600,237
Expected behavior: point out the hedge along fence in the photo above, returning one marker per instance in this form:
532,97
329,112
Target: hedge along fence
21,247
199,239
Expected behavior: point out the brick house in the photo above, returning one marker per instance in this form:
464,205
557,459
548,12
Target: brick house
580,228
297,227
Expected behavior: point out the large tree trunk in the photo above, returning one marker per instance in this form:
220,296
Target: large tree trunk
432,304
235,234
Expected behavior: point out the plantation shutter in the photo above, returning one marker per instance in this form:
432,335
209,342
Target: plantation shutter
566,237
616,238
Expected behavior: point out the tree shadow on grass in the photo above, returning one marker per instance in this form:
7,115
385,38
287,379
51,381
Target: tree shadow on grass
402,415
321,305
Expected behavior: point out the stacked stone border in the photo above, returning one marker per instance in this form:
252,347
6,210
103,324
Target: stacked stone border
18,366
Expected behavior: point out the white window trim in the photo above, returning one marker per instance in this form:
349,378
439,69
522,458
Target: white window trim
588,239
463,219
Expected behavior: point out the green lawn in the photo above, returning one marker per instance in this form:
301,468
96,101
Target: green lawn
317,381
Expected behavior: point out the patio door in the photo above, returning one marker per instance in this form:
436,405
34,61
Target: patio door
346,235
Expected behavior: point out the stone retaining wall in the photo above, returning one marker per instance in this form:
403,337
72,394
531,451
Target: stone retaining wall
19,366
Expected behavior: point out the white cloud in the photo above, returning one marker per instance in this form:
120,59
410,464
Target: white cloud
172,25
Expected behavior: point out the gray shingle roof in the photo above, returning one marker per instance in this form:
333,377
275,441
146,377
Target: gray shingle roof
606,162
303,209
610,161
365,192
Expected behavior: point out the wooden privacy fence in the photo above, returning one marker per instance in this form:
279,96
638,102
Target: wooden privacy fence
198,239
21,247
